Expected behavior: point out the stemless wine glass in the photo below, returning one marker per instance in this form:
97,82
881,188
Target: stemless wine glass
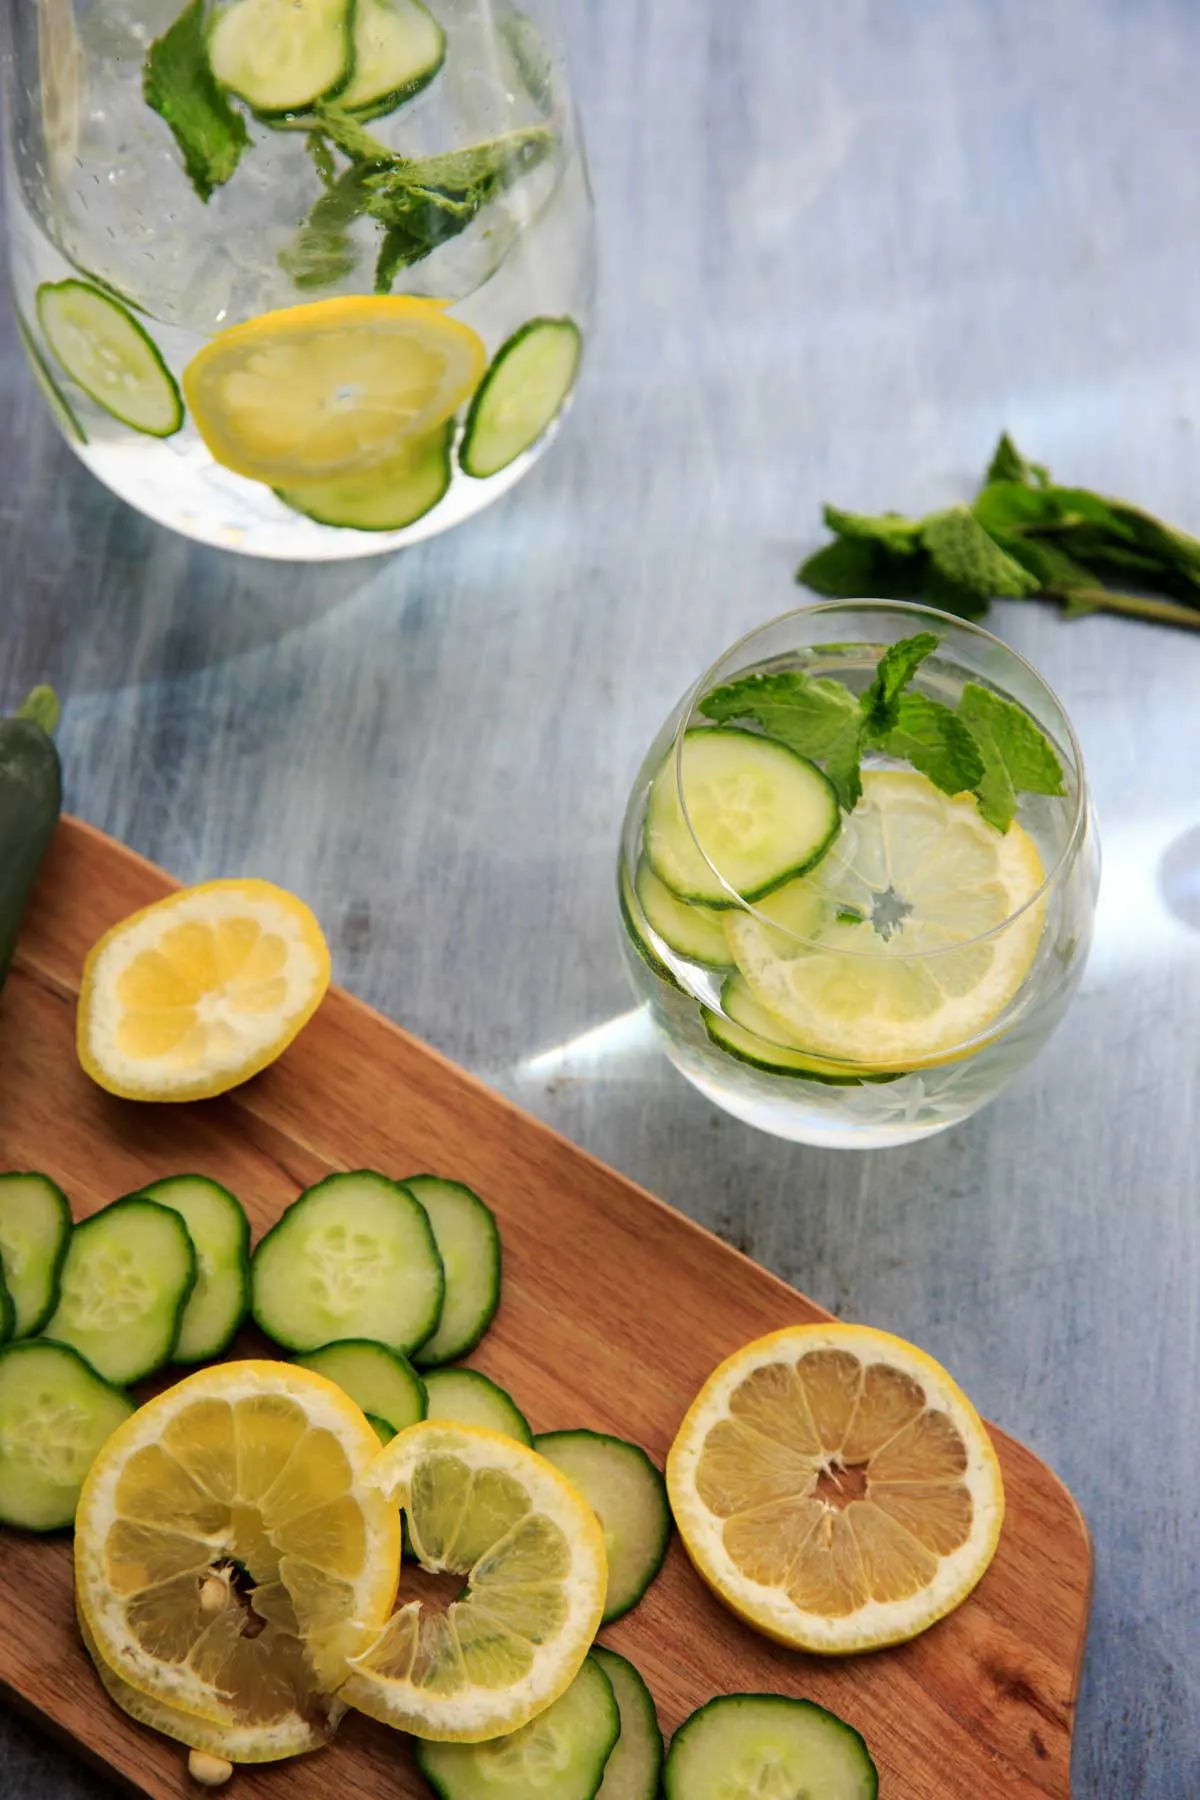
923,957
302,278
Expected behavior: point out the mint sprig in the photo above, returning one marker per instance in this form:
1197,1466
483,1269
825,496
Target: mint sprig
1022,537
180,87
989,747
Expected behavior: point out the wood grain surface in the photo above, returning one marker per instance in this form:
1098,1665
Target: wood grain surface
615,1309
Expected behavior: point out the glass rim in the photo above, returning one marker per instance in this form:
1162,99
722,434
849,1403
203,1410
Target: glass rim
903,608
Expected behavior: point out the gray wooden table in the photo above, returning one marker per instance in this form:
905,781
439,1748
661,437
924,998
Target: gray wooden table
841,246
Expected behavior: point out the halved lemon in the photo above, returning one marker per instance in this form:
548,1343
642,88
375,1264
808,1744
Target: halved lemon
528,1547
229,1553
884,957
835,1488
325,391
195,994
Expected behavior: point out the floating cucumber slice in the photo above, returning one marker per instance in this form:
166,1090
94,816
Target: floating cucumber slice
634,1769
103,348
388,497
220,1234
637,937
763,814
560,1755
469,1245
529,378
628,1496
469,1397
384,1384
398,49
60,407
126,1279
282,56
353,1257
35,1224
764,1743
694,931
55,1414
754,1035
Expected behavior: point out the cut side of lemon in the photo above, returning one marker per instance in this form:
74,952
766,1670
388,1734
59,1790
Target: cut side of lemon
200,991
528,1547
884,957
835,1488
229,1553
326,391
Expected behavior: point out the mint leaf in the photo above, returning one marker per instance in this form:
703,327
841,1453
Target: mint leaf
1007,506
895,669
891,531
849,568
964,554
424,203
322,251
179,86
843,762
1048,561
353,139
1029,756
930,737
1008,464
816,717
952,597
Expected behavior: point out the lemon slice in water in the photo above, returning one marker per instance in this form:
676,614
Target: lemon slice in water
884,958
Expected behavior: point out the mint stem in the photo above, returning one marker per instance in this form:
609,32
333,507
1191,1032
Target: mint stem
1136,606
41,705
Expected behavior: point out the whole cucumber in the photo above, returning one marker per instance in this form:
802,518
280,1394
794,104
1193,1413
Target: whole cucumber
30,802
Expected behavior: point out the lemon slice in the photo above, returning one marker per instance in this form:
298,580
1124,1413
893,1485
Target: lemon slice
483,1508
324,391
228,1552
200,991
835,1488
913,885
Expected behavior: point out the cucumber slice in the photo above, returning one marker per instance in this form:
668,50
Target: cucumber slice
354,1257
634,1769
35,1224
560,1755
55,1414
766,1744
61,410
628,1496
754,1035
126,1279
763,813
529,378
384,1384
471,1398
8,1312
220,1234
693,931
103,348
383,1431
468,1243
398,49
630,908
282,56
388,498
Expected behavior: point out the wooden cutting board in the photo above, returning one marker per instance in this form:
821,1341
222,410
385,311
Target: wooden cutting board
615,1310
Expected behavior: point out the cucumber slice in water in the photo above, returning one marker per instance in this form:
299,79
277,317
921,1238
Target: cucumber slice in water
354,1257
766,1744
398,49
694,931
468,1243
383,1431
220,1234
282,56
35,1224
127,1277
55,1415
470,1398
628,1496
763,813
529,378
633,1770
384,1384
560,1755
630,911
103,348
61,410
389,497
